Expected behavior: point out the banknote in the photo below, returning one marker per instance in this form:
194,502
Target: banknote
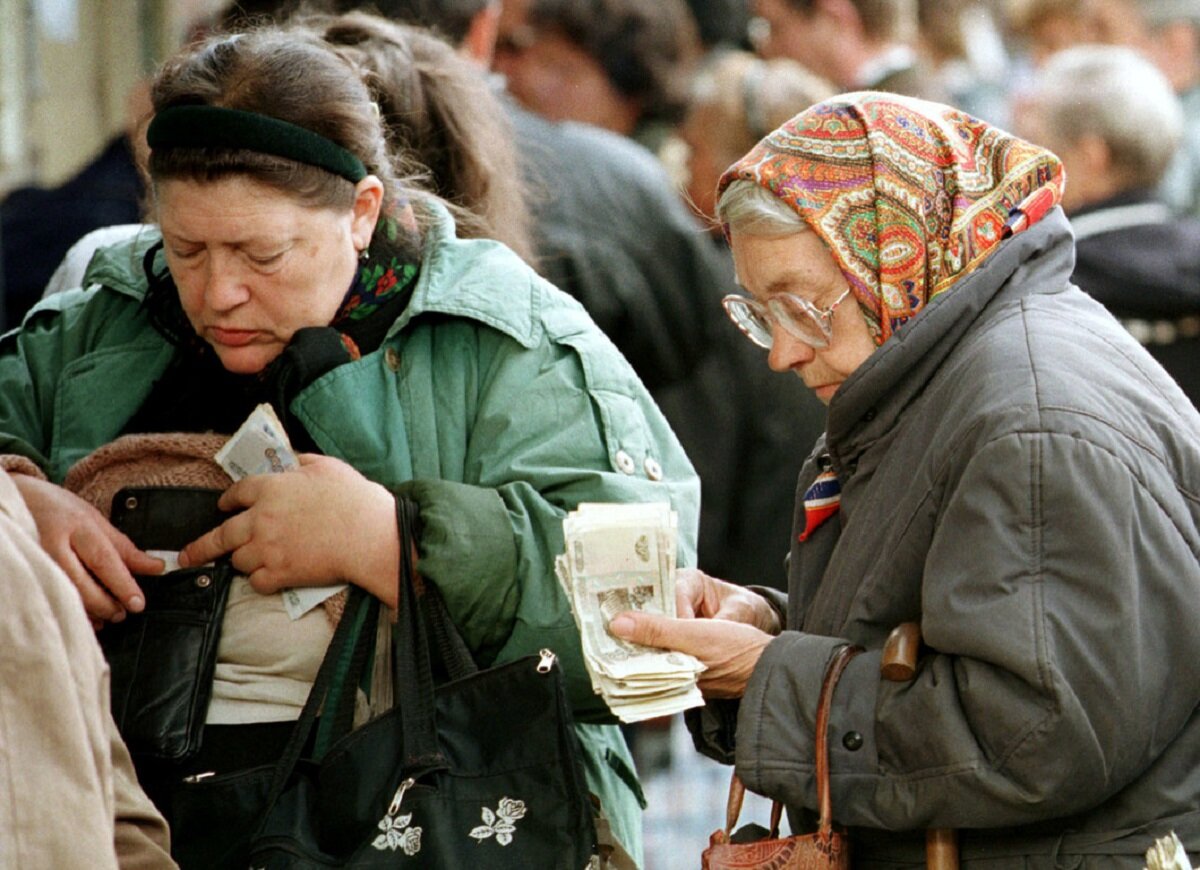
261,446
621,557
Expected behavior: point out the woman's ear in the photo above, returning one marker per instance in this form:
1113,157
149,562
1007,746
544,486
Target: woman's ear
368,200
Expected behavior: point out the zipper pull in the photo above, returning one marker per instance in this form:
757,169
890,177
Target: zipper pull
196,777
394,807
548,658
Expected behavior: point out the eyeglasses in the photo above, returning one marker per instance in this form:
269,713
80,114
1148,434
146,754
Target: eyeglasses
805,321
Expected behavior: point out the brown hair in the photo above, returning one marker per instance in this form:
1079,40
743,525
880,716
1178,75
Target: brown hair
440,112
288,74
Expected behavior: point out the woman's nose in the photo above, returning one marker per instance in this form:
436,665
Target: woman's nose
224,288
787,351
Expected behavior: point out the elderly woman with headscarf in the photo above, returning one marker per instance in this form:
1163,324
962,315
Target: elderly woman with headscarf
1002,465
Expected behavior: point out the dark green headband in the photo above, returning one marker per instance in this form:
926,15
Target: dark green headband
218,127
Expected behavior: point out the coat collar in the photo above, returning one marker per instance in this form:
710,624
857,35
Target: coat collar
868,404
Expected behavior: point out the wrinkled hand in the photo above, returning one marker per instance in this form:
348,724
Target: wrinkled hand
699,595
722,624
99,560
321,523
729,650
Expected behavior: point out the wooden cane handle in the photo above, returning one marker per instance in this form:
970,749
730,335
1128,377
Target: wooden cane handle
899,664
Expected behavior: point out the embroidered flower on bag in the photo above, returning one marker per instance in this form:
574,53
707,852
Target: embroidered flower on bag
500,823
398,835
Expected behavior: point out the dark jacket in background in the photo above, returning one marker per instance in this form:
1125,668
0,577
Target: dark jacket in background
38,225
1139,260
613,232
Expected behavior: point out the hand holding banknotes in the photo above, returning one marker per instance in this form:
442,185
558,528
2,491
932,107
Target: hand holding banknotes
724,626
322,522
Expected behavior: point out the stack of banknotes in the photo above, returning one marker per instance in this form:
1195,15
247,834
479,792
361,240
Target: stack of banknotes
261,446
621,557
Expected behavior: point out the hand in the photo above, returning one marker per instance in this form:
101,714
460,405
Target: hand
729,650
699,595
321,523
98,559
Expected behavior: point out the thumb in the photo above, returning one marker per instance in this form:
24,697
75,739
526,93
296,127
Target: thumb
648,629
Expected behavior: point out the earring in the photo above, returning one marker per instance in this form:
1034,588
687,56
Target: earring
364,255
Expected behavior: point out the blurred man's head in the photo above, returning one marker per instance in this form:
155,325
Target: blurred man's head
833,38
612,63
1109,114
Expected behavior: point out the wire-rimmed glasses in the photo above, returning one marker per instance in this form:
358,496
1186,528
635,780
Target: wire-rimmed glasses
805,321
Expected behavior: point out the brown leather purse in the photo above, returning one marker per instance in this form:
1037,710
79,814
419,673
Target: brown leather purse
825,849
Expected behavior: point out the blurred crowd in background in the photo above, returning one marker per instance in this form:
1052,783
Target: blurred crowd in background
620,115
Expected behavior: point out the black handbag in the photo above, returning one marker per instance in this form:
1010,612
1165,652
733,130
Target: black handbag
162,659
483,769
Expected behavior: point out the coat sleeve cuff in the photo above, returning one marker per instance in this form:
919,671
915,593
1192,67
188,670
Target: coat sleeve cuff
466,549
777,721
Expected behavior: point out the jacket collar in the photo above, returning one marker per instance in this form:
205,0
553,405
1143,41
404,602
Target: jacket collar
474,278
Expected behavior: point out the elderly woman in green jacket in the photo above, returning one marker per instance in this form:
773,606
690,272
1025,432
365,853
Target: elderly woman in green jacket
292,268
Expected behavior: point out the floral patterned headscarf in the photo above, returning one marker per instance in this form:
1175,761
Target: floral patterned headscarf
910,196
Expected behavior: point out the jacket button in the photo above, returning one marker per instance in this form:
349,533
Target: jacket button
391,358
870,415
853,741
653,469
625,462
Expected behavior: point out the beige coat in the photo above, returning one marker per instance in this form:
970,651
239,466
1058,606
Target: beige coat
68,795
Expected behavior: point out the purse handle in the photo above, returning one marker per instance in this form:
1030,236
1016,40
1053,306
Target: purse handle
345,661
737,789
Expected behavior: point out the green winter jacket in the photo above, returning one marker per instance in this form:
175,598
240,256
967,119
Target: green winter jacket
494,402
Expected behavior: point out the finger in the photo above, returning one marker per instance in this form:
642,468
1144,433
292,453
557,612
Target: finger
136,560
225,538
100,557
264,581
652,629
97,603
242,494
309,458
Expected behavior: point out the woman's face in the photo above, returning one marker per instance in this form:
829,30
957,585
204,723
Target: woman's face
802,265
253,266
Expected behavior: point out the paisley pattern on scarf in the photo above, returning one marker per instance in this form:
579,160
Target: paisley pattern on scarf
910,196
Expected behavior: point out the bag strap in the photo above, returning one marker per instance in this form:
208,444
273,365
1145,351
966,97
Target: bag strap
411,667
361,610
737,789
833,673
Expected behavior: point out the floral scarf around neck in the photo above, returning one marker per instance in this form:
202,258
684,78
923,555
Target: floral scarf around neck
909,196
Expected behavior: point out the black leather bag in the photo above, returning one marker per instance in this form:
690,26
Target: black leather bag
162,659
483,769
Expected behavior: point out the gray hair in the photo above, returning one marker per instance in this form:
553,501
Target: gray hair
1116,94
749,208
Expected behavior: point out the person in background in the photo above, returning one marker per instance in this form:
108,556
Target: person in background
623,65
1003,465
855,44
736,100
965,52
297,268
38,225
1168,33
1042,27
1115,121
444,118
